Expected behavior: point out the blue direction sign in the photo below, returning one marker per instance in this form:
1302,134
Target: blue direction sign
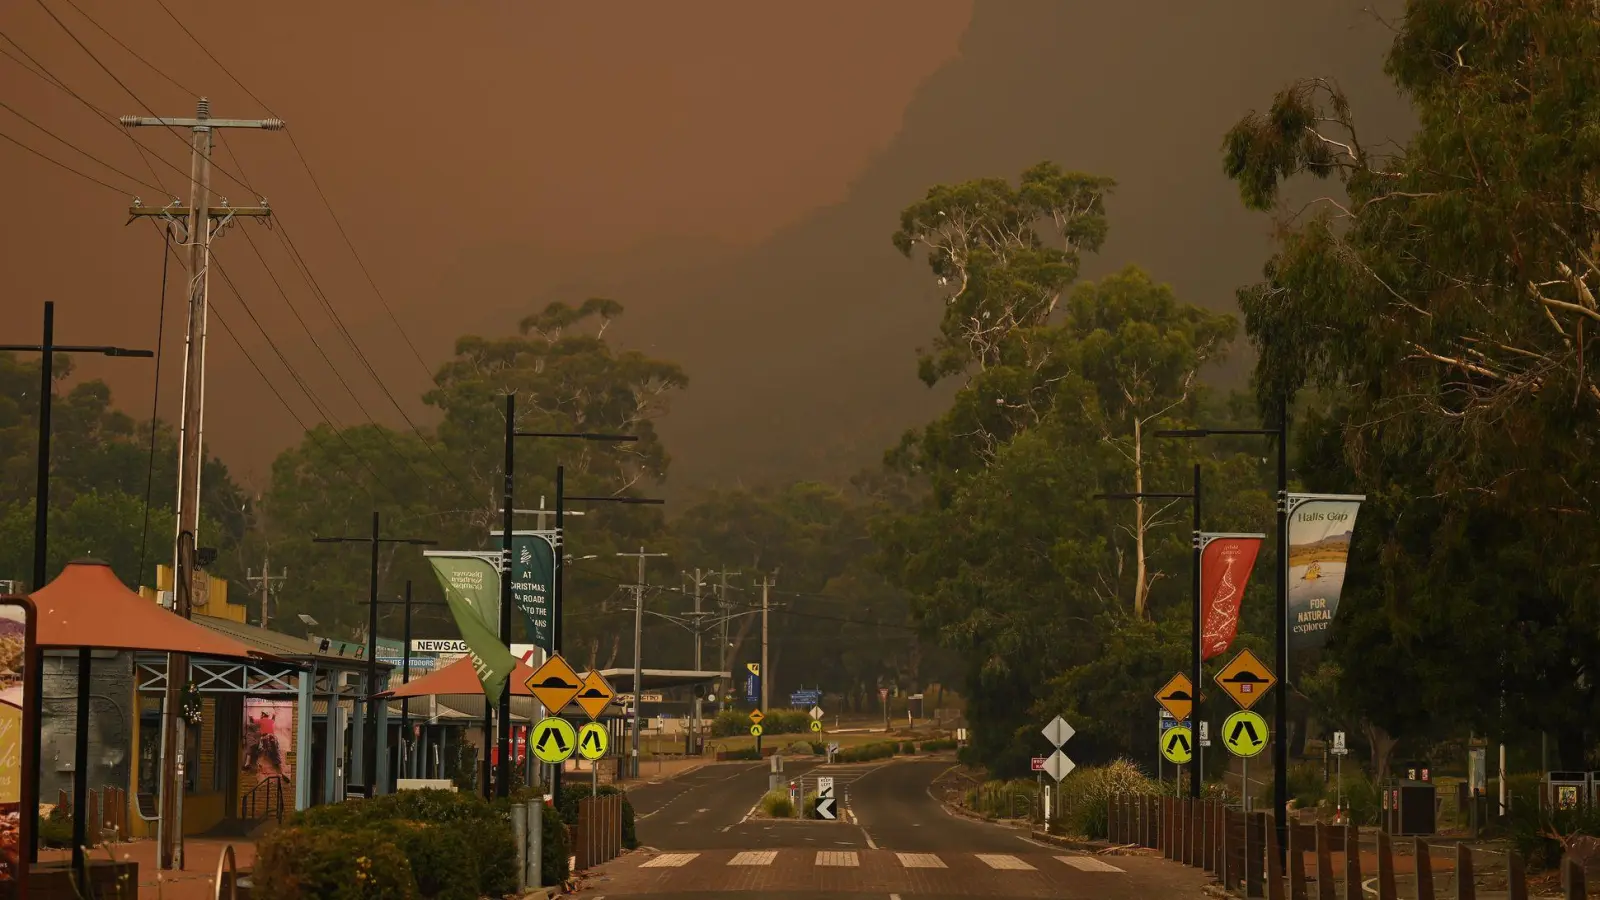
805,698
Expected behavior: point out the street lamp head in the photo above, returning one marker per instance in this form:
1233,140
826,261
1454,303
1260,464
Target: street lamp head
1184,433
123,351
308,620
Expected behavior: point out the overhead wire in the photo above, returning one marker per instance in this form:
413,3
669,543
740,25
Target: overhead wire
132,52
120,83
310,280
57,162
315,183
74,147
155,399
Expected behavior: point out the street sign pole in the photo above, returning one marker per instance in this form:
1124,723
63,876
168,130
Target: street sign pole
1195,772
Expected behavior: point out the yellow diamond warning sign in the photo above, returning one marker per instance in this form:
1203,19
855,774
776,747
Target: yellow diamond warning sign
1246,679
595,695
555,684
1177,697
756,716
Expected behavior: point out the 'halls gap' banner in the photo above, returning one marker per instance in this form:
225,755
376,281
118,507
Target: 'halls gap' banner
1226,561
1320,528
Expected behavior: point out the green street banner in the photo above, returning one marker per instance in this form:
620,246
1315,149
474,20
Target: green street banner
533,561
1320,529
472,589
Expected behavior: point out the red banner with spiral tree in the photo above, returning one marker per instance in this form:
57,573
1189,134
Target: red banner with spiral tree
1225,564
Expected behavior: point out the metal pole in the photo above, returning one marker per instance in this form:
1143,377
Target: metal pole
766,672
405,678
699,626
369,749
41,519
1280,699
638,661
1194,771
506,569
80,772
556,592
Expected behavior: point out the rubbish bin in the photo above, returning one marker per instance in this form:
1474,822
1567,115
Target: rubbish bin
1410,808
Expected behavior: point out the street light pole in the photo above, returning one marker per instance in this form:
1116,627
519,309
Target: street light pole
506,526
1280,701
369,761
34,666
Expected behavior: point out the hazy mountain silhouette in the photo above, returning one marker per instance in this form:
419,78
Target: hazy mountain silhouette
801,350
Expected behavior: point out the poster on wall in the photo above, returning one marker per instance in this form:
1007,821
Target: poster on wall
268,735
1320,529
16,752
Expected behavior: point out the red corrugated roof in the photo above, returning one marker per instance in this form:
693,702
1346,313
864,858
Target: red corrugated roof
86,606
460,678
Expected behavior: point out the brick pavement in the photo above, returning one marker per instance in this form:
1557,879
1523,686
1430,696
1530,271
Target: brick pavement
195,882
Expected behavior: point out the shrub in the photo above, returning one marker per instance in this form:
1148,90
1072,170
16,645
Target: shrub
55,830
938,744
741,753
776,803
1087,791
555,855
909,748
868,752
443,863
1002,799
464,769
310,863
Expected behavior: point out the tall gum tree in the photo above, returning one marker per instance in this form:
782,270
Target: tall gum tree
1445,295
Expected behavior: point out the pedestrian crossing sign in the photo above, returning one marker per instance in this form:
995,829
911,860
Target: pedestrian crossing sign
1245,734
1176,745
755,730
816,726
592,741
553,740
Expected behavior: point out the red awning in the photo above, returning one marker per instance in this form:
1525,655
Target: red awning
460,678
86,606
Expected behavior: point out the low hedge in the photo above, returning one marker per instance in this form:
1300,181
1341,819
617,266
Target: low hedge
449,846
732,722
938,744
867,752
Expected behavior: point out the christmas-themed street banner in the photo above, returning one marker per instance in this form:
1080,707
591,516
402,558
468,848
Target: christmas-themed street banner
1226,561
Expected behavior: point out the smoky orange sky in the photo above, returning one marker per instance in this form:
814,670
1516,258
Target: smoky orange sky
729,171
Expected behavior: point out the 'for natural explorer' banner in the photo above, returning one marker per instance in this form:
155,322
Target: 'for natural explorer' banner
472,583
1225,565
1320,528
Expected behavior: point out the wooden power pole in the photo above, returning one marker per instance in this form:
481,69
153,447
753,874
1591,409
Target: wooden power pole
196,225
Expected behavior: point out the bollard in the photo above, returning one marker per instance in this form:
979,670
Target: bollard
1424,871
519,831
533,870
1516,877
1352,863
1466,886
1297,861
1325,863
1274,866
1386,884
1573,872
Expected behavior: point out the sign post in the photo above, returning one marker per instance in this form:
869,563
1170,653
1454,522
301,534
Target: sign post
825,799
1245,679
1058,765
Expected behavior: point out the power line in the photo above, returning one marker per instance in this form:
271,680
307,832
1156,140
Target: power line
43,72
129,91
63,165
131,52
61,140
314,182
155,397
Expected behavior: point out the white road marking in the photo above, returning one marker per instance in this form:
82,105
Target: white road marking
1088,864
921,861
838,858
1003,861
703,810
668,861
870,844
754,858
891,897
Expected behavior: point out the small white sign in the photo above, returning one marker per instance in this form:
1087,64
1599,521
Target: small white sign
1338,741
1205,733
1058,766
1058,732
824,787
816,712
431,645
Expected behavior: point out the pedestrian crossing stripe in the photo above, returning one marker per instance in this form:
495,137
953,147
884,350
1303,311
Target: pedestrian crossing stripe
1088,864
668,861
754,858
1003,861
837,858
921,861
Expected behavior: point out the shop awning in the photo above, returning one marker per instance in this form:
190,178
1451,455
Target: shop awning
86,606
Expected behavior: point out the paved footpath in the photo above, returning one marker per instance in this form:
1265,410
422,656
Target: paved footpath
902,844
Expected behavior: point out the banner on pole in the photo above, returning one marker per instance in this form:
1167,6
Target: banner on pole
533,570
472,585
1226,561
1320,529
